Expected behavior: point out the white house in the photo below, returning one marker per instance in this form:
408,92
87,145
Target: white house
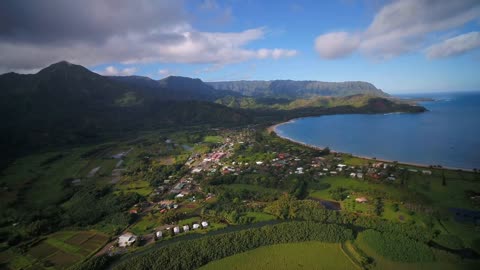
360,175
186,228
159,234
204,224
196,226
179,195
299,170
427,172
259,162
196,170
176,230
126,239
353,175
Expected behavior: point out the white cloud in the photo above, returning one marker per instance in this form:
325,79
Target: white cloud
113,71
400,27
164,72
158,31
454,46
335,45
275,53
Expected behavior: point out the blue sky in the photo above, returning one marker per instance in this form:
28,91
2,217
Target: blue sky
400,46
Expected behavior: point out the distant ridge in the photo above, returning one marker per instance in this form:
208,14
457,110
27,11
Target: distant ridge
298,89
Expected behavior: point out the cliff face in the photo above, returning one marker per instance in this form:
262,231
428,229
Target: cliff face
298,89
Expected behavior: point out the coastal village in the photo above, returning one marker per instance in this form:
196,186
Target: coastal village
185,185
183,193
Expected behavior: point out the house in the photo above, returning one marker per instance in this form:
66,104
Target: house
196,170
341,166
353,175
176,230
126,239
360,175
259,162
333,173
204,224
179,195
299,170
391,178
361,200
186,228
427,172
196,226
159,234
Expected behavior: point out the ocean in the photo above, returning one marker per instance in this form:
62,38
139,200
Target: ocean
448,134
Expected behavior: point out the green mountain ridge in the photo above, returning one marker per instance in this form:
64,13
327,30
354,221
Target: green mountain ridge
298,89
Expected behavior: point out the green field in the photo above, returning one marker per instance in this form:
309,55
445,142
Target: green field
443,260
57,251
213,139
306,255
259,216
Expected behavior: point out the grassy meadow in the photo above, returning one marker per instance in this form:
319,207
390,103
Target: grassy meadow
305,255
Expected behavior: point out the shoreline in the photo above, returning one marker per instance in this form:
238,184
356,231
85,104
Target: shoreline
318,148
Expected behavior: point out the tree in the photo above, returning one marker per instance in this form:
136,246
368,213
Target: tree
378,206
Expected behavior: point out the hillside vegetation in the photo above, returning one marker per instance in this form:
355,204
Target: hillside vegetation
355,101
298,89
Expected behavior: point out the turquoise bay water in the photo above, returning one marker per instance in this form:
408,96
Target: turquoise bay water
448,134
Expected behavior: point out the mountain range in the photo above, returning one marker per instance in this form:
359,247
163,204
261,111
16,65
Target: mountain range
298,89
69,104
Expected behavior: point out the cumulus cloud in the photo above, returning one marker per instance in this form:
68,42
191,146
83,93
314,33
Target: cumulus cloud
454,46
336,45
92,32
113,71
400,27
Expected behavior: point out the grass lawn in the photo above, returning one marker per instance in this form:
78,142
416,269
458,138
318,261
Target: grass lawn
213,139
306,255
361,188
354,161
259,216
134,186
146,224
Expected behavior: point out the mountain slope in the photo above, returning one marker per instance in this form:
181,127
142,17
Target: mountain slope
176,87
297,89
66,103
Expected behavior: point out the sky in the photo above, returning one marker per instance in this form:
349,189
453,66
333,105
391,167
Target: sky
401,46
